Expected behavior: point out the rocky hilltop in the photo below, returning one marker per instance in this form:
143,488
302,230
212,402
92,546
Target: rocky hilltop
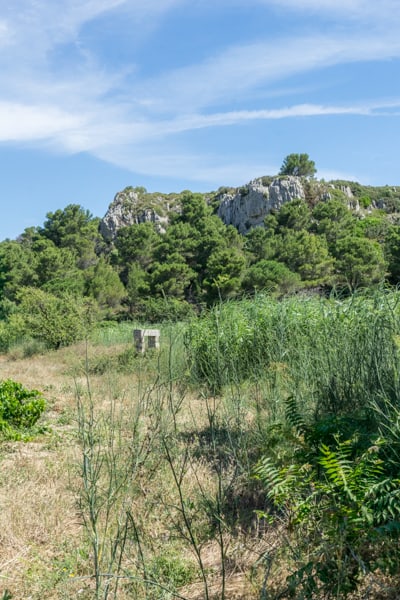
247,206
243,207
133,206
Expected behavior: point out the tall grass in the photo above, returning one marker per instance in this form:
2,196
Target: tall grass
337,354
315,383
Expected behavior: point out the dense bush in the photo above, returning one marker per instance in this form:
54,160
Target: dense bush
53,320
20,408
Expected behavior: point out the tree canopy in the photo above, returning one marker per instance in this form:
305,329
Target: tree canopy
197,260
298,164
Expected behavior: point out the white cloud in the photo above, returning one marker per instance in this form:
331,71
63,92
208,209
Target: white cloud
329,175
131,121
363,10
172,163
239,69
27,123
191,122
5,34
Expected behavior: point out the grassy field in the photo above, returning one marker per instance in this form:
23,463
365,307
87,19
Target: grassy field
199,471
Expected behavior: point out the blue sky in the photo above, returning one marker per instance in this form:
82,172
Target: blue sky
96,95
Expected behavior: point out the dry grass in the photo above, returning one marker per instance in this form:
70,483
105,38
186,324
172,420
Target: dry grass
39,525
44,551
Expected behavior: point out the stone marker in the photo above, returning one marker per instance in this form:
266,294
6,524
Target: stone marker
151,335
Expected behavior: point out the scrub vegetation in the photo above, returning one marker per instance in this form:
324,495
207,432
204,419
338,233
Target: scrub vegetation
256,455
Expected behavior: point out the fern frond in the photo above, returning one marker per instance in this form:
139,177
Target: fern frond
293,416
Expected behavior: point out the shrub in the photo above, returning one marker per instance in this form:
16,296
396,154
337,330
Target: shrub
20,408
343,510
57,321
156,310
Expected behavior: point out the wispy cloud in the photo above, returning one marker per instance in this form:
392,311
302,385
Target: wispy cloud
300,110
242,68
29,123
364,10
127,119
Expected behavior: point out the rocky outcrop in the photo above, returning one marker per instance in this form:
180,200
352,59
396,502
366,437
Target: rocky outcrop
129,207
244,208
248,207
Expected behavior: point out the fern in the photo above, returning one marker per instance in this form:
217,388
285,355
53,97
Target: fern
384,499
344,510
293,416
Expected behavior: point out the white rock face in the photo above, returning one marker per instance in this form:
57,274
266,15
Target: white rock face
128,209
249,207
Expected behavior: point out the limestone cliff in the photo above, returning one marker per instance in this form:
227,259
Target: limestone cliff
133,206
248,207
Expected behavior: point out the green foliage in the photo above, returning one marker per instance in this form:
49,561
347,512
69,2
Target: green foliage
337,354
333,220
359,262
259,244
223,273
329,373
57,321
306,254
169,572
392,253
75,228
298,164
193,209
17,268
156,310
365,201
104,285
137,288
56,268
294,215
136,244
172,277
375,227
334,505
20,408
272,276
199,260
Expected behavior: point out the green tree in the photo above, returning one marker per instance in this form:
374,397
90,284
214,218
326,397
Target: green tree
306,254
56,269
182,238
272,276
17,268
57,321
172,277
75,228
375,227
136,244
294,215
359,262
224,272
392,253
299,165
105,286
333,220
137,288
193,209
260,244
